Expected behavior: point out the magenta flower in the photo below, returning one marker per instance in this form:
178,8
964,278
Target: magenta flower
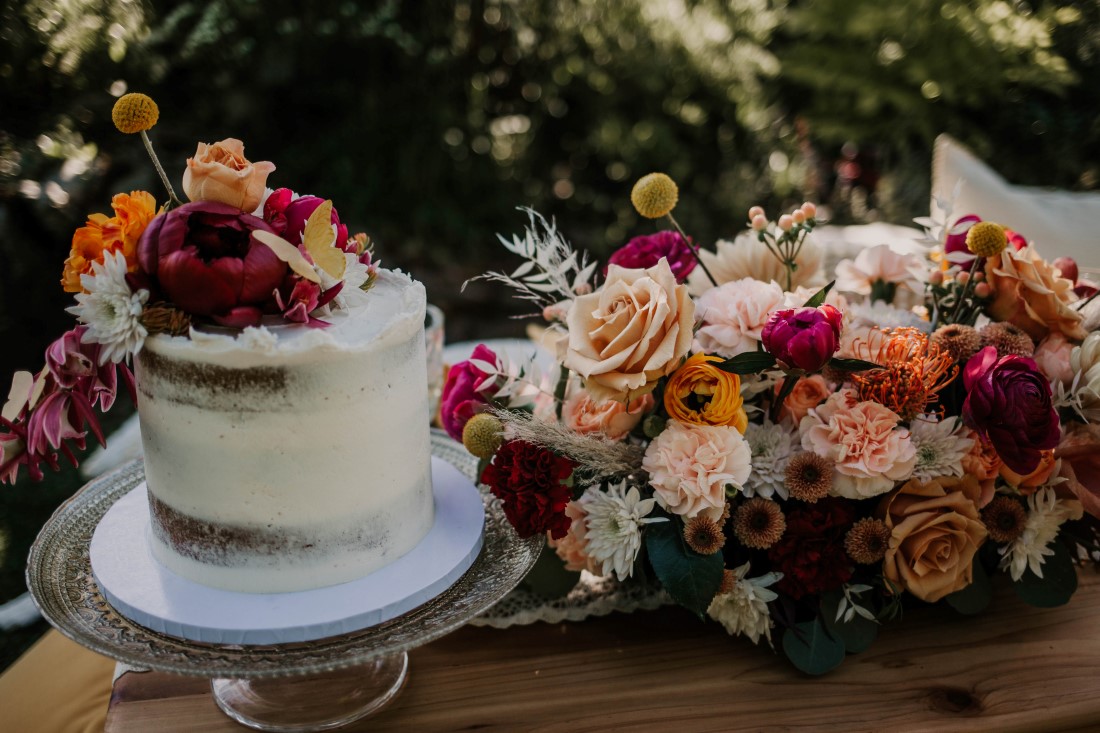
1008,402
299,210
647,250
461,399
957,242
75,365
205,261
803,338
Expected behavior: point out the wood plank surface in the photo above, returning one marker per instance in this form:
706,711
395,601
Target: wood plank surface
1014,668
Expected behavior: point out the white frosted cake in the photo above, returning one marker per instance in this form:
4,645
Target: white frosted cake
291,458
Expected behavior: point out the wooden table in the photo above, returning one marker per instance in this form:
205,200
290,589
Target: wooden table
1015,668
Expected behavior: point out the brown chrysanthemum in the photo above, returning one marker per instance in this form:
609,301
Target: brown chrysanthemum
867,540
1005,518
913,371
959,341
704,535
809,477
163,318
759,523
1008,339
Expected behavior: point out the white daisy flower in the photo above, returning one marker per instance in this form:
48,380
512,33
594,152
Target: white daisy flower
614,522
111,310
744,609
771,448
1044,519
941,446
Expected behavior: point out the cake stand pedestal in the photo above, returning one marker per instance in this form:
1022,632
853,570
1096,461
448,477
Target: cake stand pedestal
313,685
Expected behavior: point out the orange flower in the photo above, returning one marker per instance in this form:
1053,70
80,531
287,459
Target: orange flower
913,371
102,233
699,393
1030,483
807,394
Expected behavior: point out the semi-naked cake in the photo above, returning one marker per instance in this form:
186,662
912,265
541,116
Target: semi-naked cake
289,458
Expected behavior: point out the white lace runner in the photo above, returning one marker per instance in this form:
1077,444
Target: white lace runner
593,596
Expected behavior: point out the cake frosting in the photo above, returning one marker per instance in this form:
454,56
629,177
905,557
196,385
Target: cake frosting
288,458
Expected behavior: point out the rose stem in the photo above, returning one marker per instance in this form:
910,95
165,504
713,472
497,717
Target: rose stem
693,249
172,199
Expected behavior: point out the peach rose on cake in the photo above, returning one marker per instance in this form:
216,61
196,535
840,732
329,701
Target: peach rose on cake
733,314
611,418
1030,293
935,531
220,172
689,467
630,333
870,451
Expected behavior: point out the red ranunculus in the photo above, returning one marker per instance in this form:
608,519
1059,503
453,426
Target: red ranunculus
529,481
1008,401
803,338
811,553
206,262
647,250
460,398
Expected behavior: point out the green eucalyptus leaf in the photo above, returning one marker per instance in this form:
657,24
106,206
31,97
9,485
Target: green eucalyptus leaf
857,634
819,297
852,365
975,597
751,362
691,579
811,649
1057,585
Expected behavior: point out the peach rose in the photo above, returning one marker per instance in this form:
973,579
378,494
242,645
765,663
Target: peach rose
630,333
983,463
690,466
1053,357
863,439
1079,452
808,393
220,172
1030,293
572,547
702,394
1030,483
611,418
935,531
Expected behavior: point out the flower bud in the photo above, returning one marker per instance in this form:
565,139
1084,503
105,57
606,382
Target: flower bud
759,223
755,212
1068,266
803,338
982,290
963,277
786,222
798,216
809,209
936,277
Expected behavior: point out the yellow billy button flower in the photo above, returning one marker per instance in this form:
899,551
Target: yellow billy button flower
134,113
482,435
699,393
986,239
654,195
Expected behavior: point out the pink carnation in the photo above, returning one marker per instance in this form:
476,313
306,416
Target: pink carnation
612,418
733,315
689,467
863,438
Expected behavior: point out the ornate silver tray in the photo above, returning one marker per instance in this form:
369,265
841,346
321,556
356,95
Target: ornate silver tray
59,576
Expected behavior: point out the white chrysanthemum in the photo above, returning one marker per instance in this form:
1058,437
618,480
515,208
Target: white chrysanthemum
941,446
744,610
747,256
876,263
771,448
1044,518
614,522
111,310
883,315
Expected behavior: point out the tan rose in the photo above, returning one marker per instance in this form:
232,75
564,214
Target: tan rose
807,394
983,463
220,172
1030,293
1030,483
630,333
610,418
1079,452
935,531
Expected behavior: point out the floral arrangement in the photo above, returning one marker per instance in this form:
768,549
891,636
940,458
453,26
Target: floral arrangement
238,255
789,457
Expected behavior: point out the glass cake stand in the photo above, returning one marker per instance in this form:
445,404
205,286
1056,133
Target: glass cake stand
316,685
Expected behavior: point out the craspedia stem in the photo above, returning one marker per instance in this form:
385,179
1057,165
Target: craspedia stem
694,249
173,200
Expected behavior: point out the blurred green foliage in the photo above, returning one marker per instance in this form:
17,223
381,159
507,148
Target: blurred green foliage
429,122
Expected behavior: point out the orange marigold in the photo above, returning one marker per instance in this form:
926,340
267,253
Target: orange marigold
102,233
913,371
699,393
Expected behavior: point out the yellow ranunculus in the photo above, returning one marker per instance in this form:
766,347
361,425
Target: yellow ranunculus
699,393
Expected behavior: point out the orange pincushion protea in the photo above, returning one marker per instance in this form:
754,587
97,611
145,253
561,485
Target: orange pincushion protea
103,233
913,371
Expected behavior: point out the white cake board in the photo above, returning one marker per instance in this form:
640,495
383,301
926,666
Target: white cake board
145,591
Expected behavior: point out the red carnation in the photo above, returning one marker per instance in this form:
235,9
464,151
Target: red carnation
811,554
529,481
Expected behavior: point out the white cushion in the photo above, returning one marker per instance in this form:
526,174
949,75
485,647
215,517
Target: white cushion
1057,222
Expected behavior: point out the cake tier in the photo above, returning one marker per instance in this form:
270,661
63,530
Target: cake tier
291,458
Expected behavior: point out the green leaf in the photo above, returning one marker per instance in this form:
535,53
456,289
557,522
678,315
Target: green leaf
856,635
819,297
852,365
549,578
975,597
1057,585
811,649
691,579
751,362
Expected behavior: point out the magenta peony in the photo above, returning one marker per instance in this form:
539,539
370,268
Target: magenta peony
803,338
461,399
298,211
1009,403
205,260
647,250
